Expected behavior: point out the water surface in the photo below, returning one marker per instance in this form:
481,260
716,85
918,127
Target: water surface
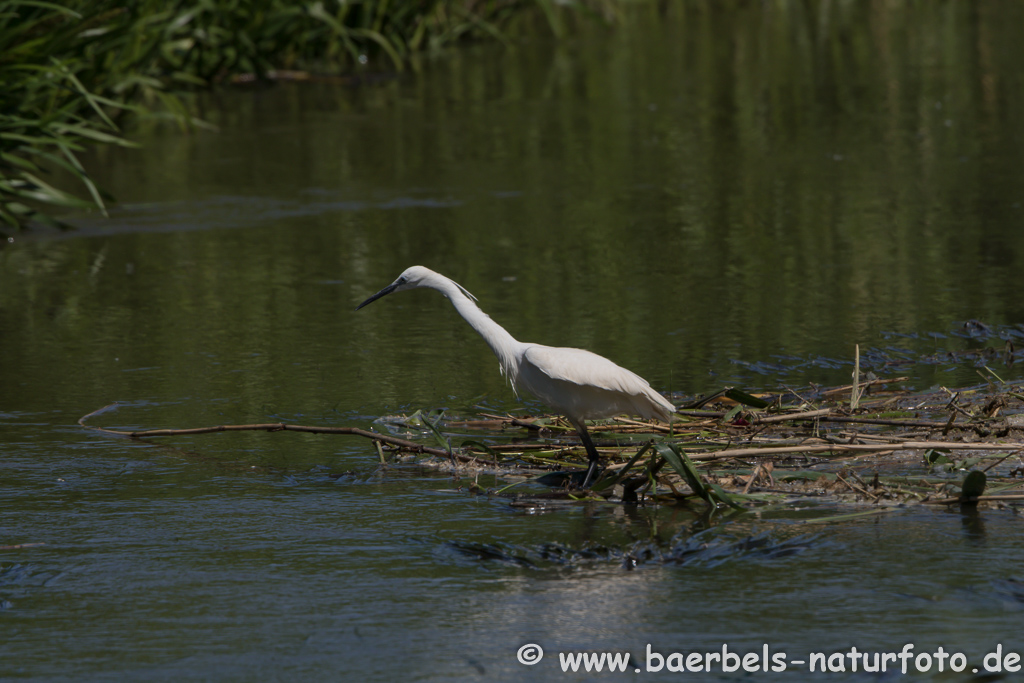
710,196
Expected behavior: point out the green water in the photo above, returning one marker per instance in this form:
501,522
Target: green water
709,196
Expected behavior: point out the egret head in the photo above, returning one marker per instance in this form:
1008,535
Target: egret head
418,276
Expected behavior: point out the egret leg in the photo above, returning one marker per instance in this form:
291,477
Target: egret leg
581,429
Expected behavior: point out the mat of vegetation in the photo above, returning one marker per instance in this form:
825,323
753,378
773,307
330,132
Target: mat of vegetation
72,71
728,453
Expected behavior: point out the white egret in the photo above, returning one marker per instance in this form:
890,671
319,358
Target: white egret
577,383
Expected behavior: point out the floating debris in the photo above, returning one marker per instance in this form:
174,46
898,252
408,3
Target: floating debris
734,452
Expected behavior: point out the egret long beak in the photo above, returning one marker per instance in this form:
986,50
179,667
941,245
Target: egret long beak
387,290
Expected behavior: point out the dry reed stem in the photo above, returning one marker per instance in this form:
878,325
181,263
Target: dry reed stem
854,390
805,415
854,487
972,499
649,425
826,448
863,385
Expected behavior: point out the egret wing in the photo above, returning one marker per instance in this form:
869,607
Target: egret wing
604,387
584,368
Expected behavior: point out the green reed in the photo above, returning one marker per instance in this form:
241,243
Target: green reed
72,71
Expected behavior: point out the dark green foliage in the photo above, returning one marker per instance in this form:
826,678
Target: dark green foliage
974,484
47,112
712,493
70,71
745,398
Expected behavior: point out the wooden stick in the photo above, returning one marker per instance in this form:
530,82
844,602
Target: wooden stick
279,427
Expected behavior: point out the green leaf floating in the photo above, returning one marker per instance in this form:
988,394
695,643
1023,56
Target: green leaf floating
746,399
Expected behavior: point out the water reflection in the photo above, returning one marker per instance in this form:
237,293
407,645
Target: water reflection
709,193
792,192
974,525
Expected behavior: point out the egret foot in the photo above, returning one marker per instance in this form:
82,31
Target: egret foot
591,452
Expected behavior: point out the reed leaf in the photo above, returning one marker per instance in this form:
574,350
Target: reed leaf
73,71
